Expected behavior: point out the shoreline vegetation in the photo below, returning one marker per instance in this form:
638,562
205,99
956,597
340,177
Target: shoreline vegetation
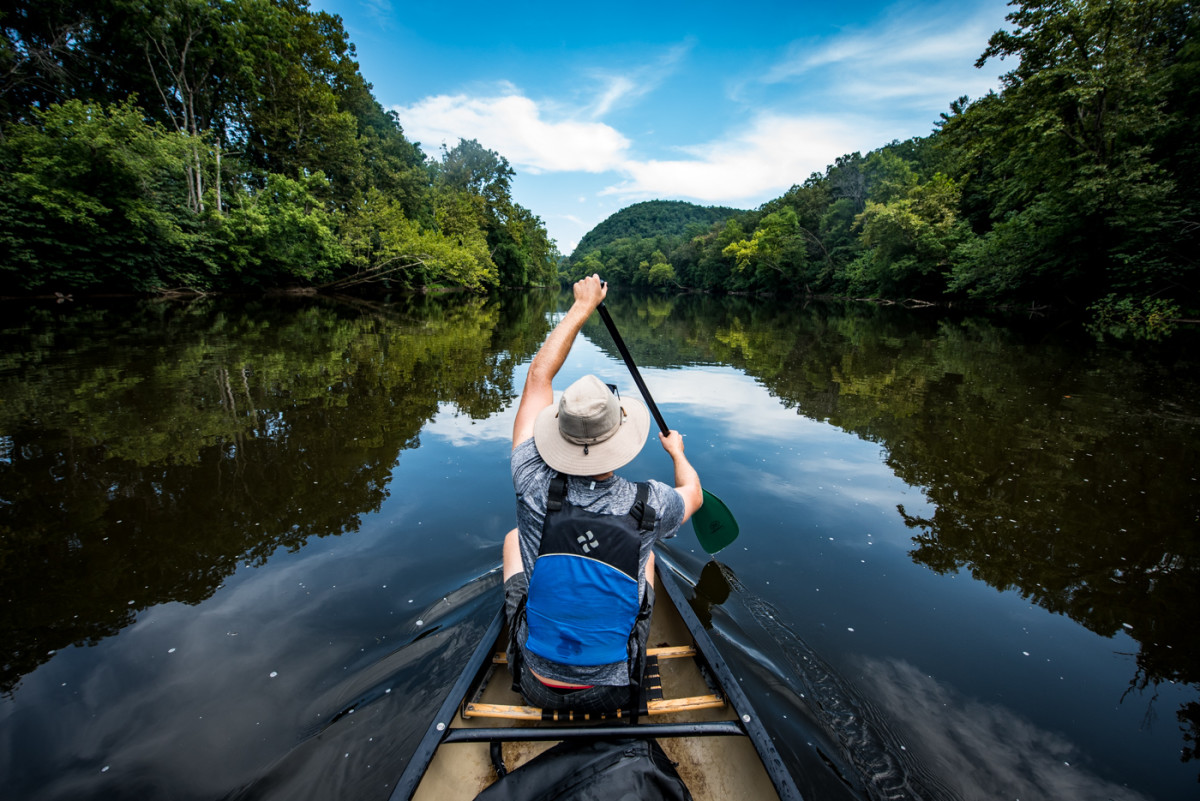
233,146
1072,188
230,145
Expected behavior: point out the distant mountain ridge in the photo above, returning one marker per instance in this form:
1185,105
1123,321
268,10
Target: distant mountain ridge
651,218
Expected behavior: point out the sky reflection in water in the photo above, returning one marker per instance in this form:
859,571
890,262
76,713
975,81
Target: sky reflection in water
198,657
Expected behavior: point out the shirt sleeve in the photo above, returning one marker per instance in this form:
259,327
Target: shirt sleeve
528,469
531,480
668,503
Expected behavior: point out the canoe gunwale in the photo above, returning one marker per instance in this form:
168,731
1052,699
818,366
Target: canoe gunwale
750,722
479,662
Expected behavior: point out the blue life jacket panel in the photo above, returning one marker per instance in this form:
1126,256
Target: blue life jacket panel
583,593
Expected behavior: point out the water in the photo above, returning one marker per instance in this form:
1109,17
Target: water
244,547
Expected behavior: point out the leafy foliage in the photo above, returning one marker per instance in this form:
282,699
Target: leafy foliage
93,191
1142,318
214,144
1073,183
649,219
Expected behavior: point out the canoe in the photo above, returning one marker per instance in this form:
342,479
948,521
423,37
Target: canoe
693,708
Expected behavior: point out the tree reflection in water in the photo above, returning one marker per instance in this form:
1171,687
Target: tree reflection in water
1061,469
148,449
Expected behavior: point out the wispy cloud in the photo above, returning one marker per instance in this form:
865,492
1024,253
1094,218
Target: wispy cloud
548,135
381,12
618,88
853,91
919,54
627,86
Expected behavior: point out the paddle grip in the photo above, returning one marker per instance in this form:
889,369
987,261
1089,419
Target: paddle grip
633,371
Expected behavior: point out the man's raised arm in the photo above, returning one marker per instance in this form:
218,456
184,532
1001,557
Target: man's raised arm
538,392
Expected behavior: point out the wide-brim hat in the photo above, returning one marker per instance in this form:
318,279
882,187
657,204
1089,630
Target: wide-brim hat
591,431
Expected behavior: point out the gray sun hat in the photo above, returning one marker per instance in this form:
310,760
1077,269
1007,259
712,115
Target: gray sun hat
590,431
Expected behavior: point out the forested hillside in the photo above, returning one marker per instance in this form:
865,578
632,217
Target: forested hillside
650,219
1075,185
630,244
223,144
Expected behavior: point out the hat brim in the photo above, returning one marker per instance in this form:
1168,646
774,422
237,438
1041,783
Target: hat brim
616,451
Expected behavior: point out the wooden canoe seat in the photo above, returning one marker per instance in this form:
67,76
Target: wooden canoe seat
653,701
662,652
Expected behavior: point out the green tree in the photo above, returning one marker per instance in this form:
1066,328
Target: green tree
776,247
282,233
93,197
1066,158
384,245
476,182
910,240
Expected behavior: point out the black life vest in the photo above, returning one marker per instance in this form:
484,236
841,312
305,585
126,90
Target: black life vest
583,591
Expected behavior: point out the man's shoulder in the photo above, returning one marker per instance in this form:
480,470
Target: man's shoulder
524,450
528,467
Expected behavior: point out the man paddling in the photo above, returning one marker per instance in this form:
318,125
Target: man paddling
579,567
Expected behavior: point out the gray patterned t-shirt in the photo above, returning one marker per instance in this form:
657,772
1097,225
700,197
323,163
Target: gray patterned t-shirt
614,495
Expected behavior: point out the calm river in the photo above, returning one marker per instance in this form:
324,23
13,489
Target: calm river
244,546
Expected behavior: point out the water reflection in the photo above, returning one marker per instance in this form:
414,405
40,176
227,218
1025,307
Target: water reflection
146,450
712,589
983,750
1057,468
861,742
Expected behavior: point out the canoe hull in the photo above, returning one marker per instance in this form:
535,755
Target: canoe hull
720,749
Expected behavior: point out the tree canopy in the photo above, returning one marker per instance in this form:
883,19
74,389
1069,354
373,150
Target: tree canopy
218,144
1073,185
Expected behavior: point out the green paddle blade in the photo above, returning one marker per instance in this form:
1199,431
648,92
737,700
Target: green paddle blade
714,524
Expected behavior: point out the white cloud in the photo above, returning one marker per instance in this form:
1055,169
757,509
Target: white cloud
517,128
769,155
545,136
851,92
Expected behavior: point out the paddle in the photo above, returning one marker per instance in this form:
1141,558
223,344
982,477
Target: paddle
713,522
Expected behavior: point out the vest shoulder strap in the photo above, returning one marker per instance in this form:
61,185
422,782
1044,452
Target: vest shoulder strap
642,512
557,493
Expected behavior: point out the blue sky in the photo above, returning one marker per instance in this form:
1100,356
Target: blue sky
597,106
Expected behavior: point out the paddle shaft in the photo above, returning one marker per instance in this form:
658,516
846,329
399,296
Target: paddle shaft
633,371
713,522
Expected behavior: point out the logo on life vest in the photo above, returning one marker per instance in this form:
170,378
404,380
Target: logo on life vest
588,541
